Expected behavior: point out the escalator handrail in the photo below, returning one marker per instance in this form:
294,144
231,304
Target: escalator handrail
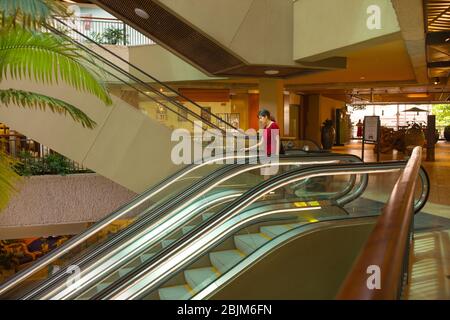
388,244
120,70
347,197
239,204
152,216
212,115
424,177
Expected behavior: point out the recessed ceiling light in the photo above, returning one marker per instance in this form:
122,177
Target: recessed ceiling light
271,72
362,78
447,40
417,95
141,13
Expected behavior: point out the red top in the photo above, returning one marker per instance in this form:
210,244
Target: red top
270,135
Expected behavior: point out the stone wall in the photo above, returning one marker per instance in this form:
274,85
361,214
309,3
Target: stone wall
60,204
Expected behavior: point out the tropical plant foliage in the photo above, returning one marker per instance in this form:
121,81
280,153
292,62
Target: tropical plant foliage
28,99
442,112
30,13
28,51
46,58
50,164
8,179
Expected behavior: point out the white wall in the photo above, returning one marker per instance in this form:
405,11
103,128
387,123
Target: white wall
323,26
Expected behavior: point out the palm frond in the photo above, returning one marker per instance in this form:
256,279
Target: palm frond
34,100
29,13
8,179
46,57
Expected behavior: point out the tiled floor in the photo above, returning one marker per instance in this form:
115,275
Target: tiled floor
430,260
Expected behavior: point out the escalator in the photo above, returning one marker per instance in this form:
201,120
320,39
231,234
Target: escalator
169,207
217,259
103,273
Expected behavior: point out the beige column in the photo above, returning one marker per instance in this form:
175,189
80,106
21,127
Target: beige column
271,98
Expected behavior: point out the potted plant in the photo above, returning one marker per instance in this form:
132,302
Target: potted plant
414,135
114,36
447,133
328,134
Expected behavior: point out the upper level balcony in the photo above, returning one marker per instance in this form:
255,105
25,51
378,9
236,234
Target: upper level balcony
105,31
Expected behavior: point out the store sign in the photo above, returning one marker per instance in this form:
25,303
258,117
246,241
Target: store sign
371,127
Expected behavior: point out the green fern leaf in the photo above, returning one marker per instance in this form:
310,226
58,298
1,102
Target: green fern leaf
26,99
47,58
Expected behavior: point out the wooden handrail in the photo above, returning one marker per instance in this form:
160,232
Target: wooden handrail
387,245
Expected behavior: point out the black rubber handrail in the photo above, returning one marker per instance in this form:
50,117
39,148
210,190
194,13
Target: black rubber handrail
149,76
130,76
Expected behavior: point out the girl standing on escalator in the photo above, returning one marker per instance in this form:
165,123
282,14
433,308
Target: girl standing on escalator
271,135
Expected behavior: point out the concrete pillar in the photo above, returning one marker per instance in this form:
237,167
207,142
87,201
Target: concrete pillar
271,97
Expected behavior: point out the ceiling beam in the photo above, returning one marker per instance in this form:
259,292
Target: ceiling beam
439,64
437,38
410,16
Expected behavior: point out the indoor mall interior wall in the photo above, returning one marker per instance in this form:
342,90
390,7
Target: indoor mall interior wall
60,205
319,109
163,65
240,105
153,59
259,31
345,28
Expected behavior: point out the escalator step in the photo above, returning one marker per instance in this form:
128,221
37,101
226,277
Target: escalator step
199,278
146,256
248,243
175,293
166,243
93,291
296,225
124,271
274,231
187,229
102,286
207,215
225,260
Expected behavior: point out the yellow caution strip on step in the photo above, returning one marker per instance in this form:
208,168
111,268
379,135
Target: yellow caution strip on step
188,288
217,272
265,236
300,204
314,203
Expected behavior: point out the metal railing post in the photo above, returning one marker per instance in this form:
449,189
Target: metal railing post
124,30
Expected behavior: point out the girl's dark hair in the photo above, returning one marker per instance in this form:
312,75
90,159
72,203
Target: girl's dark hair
265,113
